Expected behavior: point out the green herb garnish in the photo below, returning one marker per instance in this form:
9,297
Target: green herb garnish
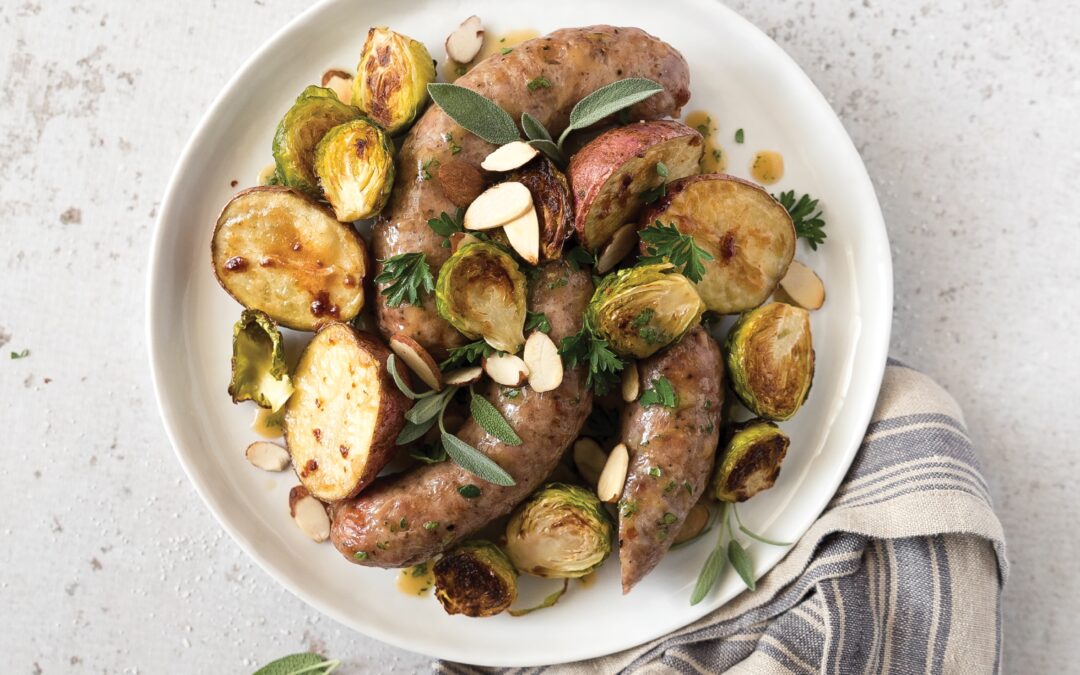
661,392
431,525
491,420
466,355
609,100
603,365
808,225
579,256
405,276
664,243
538,83
446,225
652,194
474,112
20,355
505,50
656,472
739,136
537,321
299,664
469,491
360,555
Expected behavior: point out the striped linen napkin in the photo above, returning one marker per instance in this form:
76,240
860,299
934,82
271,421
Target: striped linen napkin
902,573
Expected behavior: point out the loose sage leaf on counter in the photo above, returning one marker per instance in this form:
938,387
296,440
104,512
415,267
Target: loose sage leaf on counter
475,113
492,421
609,100
299,664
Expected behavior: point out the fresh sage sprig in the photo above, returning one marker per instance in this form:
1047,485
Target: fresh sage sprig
474,112
733,553
608,100
299,664
489,417
391,365
471,459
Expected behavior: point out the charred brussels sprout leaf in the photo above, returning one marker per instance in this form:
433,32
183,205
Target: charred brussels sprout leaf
750,461
317,110
259,372
562,531
481,292
355,165
392,78
642,309
770,359
475,579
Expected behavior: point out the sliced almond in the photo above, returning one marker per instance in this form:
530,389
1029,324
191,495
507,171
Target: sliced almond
631,382
265,174
417,359
589,458
309,514
465,42
459,239
622,242
523,233
612,479
463,376
542,358
497,206
267,456
509,157
340,82
803,286
695,522
506,369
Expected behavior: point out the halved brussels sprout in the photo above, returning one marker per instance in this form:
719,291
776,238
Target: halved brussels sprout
561,532
355,165
750,461
770,359
481,292
317,110
259,372
392,78
640,310
475,579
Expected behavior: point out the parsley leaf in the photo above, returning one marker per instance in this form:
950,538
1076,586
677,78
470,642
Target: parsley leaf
538,83
406,276
579,256
603,365
466,355
661,392
537,321
808,224
446,225
666,243
739,136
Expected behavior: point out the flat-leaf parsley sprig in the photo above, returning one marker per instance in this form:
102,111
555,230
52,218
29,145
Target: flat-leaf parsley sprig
603,365
406,276
665,243
808,225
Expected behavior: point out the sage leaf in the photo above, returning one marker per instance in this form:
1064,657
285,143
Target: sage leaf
754,535
391,365
429,407
297,664
534,130
550,149
609,100
429,454
475,113
474,461
740,560
549,601
714,565
492,421
412,431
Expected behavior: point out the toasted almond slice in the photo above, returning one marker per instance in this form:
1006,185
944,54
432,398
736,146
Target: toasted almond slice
459,239
612,479
265,174
267,456
463,376
309,514
542,358
340,82
506,369
631,382
509,157
464,43
497,206
695,522
417,359
622,242
803,286
523,233
589,458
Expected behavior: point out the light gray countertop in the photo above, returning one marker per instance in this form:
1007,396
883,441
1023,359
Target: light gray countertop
965,113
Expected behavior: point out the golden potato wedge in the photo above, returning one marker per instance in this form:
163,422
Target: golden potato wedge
277,250
610,176
345,412
748,233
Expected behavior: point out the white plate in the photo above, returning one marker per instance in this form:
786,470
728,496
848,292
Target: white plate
744,80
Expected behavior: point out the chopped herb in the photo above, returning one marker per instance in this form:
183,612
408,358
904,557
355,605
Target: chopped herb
661,393
705,128
431,525
643,318
808,225
382,545
603,365
688,487
511,393
559,283
467,355
739,136
505,50
419,570
652,194
653,336
537,321
664,243
427,166
461,69
405,276
579,256
538,83
446,225
454,147
469,491
627,508
20,355
403,524
656,472
670,487
661,170
669,518
360,555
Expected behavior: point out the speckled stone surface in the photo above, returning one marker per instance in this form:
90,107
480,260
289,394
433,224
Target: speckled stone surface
965,113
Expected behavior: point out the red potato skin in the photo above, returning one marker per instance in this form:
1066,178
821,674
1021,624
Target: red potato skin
680,442
410,517
576,62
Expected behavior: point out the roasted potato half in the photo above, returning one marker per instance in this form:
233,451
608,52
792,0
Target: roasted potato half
551,197
748,233
276,250
344,414
609,177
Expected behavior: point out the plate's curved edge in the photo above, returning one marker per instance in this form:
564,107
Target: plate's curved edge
878,352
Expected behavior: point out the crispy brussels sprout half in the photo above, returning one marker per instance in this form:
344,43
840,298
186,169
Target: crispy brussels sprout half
475,579
392,78
317,110
643,309
259,372
355,165
770,359
481,292
561,532
750,461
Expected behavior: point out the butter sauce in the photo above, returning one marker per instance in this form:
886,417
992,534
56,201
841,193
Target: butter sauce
714,160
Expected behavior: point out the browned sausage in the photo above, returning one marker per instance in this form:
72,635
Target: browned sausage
409,517
576,62
671,451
